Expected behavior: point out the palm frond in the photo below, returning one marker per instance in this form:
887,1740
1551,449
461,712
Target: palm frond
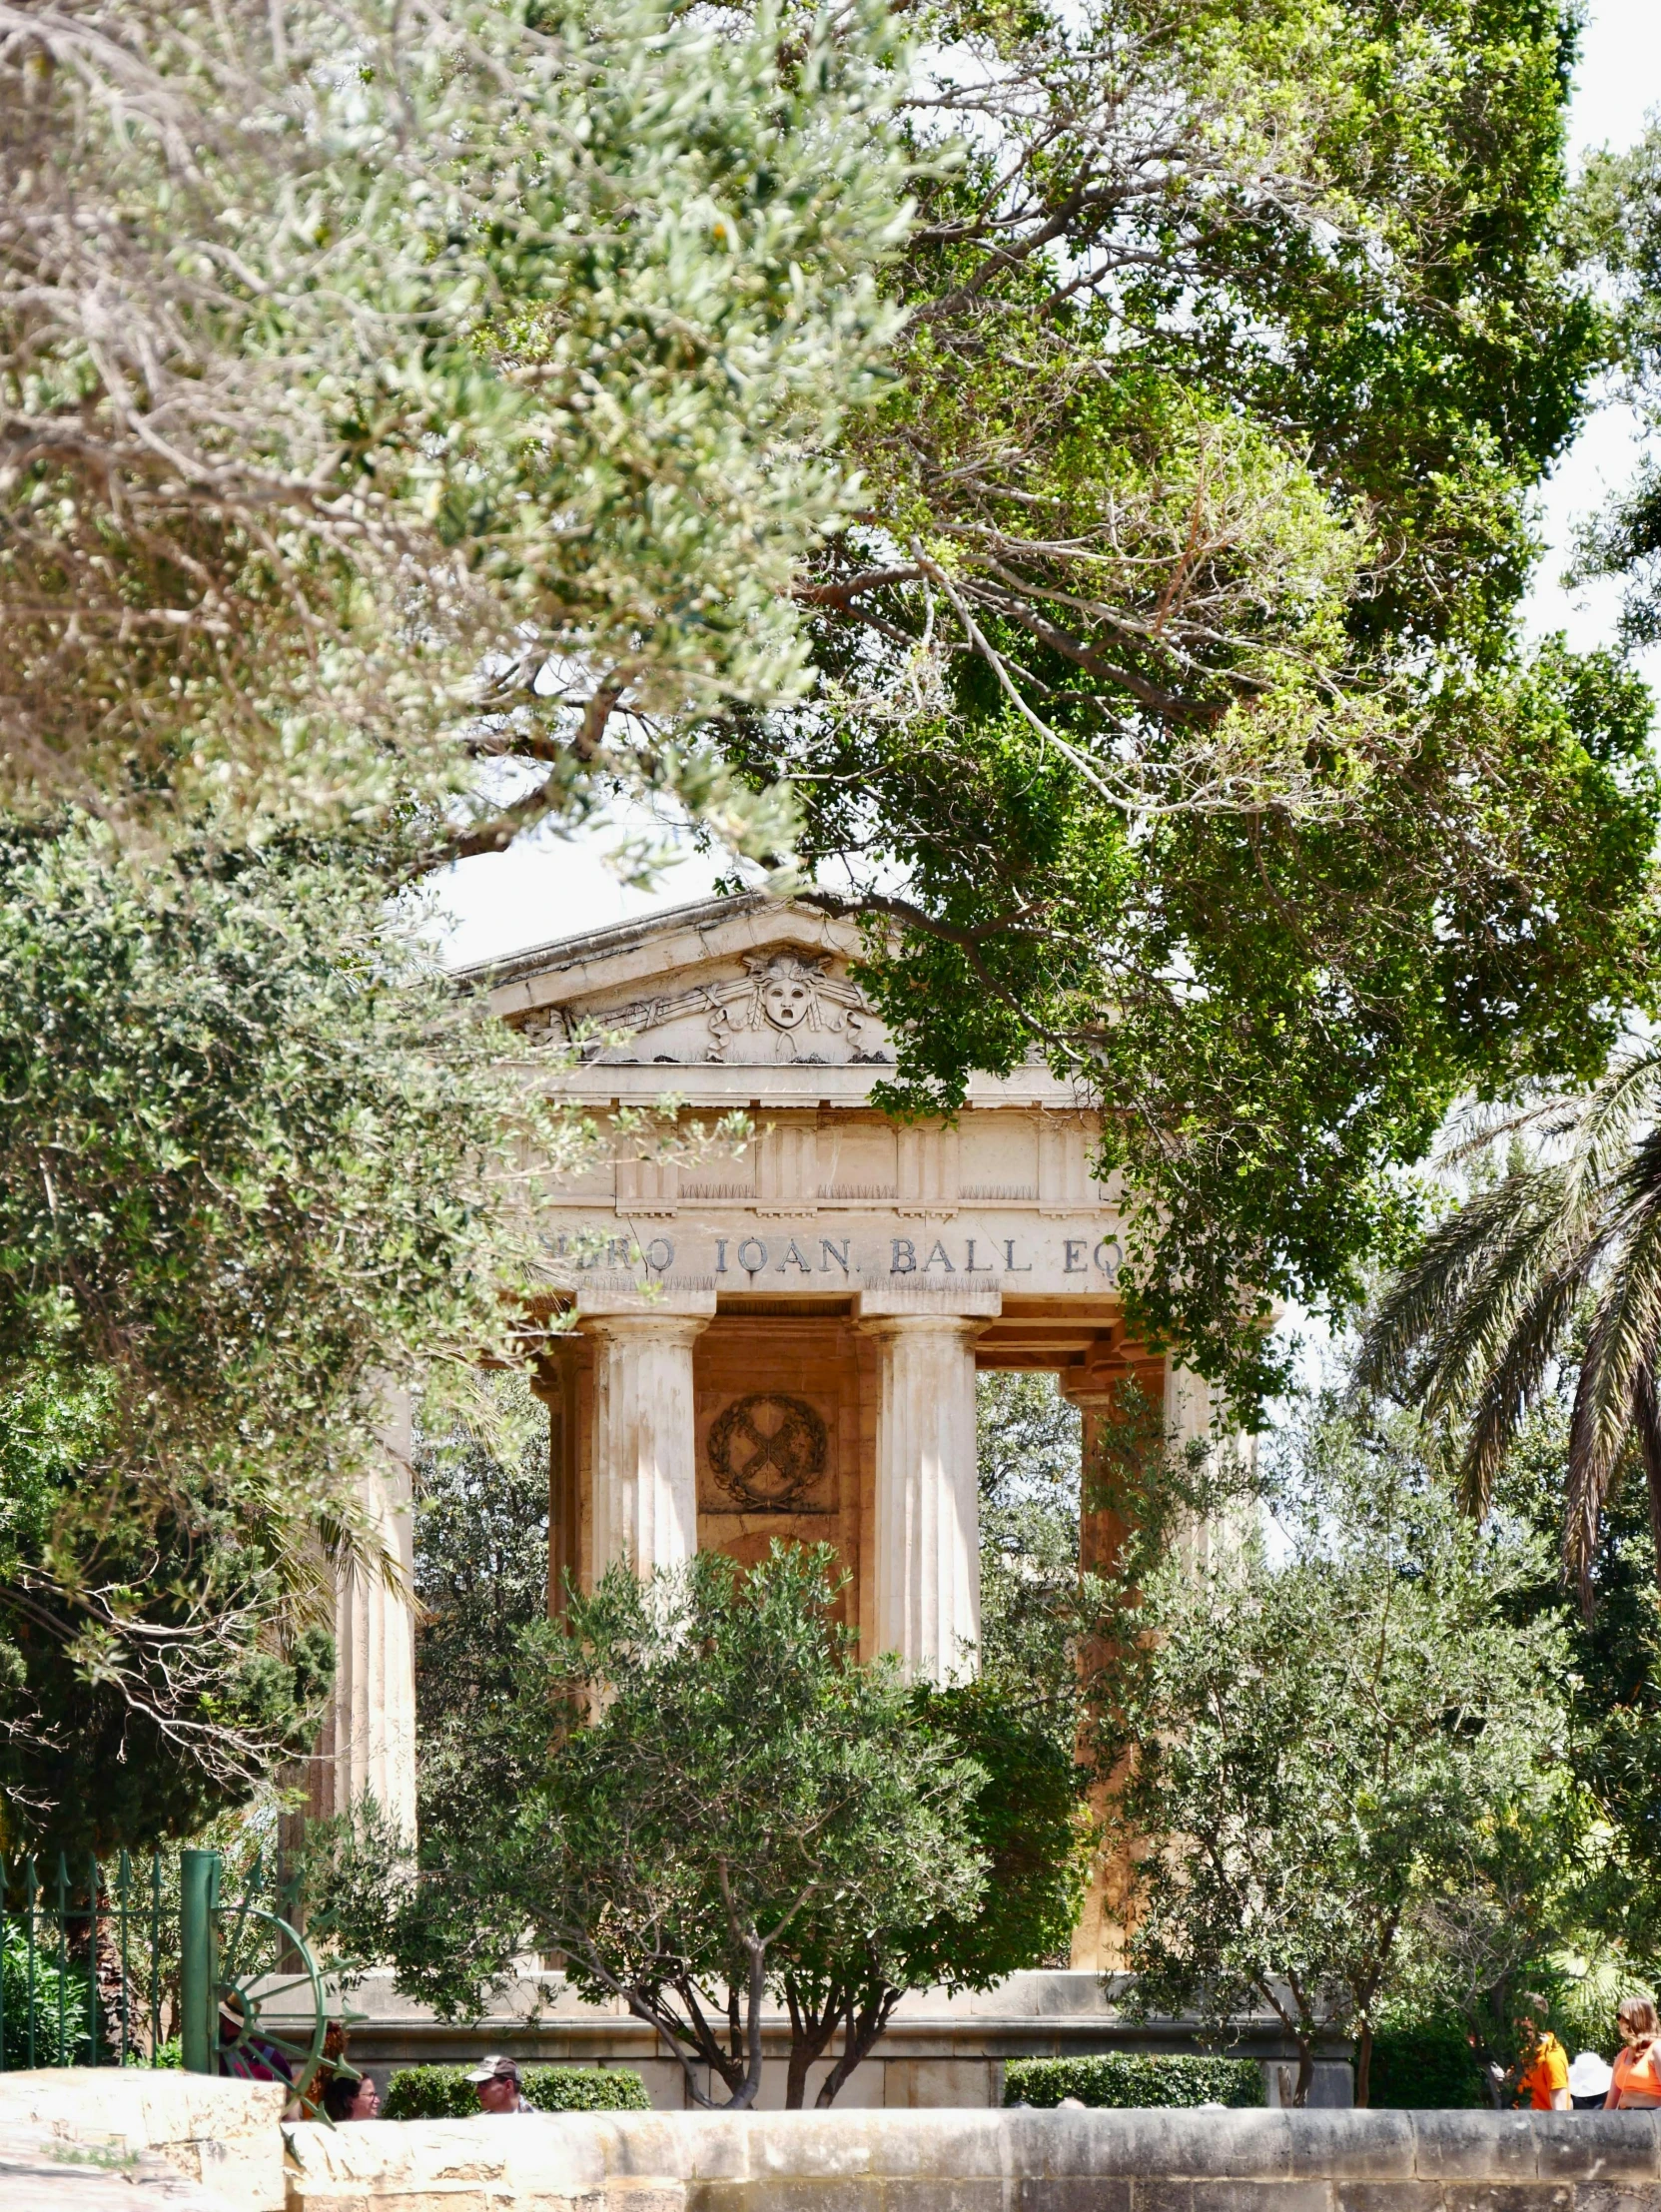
1624,1340
1509,1386
1424,1301
1476,1132
1548,1241
1647,1414
1629,1093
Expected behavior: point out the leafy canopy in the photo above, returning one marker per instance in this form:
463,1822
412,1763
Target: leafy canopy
1172,723
389,389
256,1159
1619,206
1334,1754
731,1808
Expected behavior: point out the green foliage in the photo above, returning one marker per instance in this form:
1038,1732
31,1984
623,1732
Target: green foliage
1029,1459
1023,1820
1611,1903
1027,1819
48,1984
1586,1987
481,1568
1175,723
525,359
1619,211
256,1159
1135,2078
1346,1762
1474,1323
1427,2066
445,2093
725,1790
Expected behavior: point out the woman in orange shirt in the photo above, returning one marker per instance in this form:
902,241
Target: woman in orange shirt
1637,2082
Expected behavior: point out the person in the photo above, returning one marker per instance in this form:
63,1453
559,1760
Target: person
1545,2064
1636,2087
497,2082
345,2097
1589,2079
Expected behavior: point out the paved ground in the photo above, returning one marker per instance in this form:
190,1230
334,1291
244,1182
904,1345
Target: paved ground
55,2176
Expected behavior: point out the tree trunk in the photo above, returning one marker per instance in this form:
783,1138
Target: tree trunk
753,1994
1363,2066
862,2034
1306,2073
795,2079
811,2028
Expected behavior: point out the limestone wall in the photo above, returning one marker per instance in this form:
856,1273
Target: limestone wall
223,2134
987,2162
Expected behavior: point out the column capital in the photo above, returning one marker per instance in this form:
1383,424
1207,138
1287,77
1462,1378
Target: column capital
649,1326
1094,1393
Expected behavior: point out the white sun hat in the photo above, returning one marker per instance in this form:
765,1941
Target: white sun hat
1590,2075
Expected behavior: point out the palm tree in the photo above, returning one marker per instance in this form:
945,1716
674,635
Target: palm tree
1470,1328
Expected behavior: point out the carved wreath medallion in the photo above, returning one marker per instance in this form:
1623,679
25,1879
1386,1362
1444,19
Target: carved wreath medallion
767,1452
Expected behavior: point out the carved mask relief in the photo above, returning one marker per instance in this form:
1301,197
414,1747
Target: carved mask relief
787,994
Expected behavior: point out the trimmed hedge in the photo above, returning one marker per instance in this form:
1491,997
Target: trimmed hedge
1135,2078
1428,2068
445,2093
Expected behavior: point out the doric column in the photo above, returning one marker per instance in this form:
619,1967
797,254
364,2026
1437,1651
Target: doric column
368,1741
1098,1935
928,1539
554,1380
646,1466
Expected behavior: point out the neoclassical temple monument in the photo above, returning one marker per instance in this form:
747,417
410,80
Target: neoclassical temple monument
782,1343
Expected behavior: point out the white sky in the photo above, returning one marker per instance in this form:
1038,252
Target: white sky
548,888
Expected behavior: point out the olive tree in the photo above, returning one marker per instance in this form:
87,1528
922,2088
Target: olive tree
390,387
715,1807
255,1160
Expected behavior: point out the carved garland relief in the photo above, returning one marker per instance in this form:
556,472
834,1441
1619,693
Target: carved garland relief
786,1007
768,1453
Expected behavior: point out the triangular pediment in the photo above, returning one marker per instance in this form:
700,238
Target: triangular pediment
740,981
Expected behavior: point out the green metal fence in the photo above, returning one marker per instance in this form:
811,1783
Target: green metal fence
148,1962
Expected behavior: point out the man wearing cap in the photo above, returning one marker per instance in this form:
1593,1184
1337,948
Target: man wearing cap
498,2083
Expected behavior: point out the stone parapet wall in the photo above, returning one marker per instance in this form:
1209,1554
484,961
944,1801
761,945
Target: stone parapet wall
965,2161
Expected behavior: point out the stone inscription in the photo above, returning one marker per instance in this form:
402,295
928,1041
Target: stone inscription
803,1253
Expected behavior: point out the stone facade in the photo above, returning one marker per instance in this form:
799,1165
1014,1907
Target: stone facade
819,1298
779,1339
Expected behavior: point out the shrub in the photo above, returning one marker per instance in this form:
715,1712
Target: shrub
1422,2067
1133,2077
445,2093
49,1988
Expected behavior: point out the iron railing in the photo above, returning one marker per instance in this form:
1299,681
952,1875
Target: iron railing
123,1962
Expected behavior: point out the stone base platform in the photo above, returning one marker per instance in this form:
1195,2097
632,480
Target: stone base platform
940,2049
